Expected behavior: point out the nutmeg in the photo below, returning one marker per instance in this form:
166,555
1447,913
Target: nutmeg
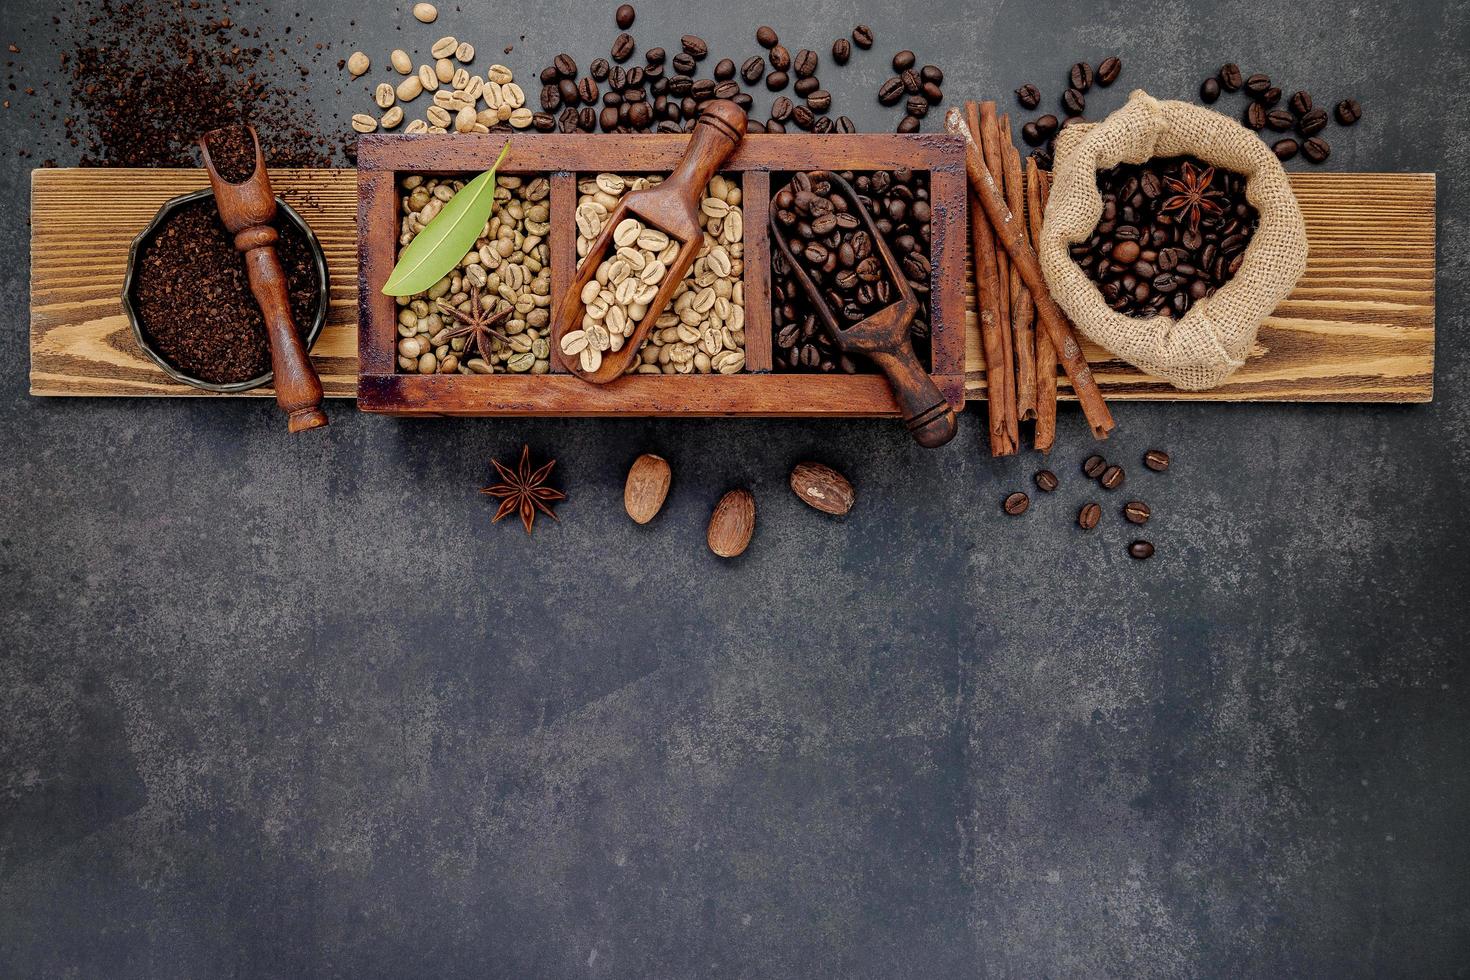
647,487
822,487
732,524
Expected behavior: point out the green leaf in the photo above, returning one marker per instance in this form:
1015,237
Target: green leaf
448,238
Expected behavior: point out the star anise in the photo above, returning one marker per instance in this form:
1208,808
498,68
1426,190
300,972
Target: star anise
524,491
1193,196
478,323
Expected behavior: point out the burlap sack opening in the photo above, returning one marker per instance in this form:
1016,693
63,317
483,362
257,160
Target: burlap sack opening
1211,341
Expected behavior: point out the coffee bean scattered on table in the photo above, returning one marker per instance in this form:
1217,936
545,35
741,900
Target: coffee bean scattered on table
1029,96
1136,512
1047,481
1109,70
1141,550
1016,504
1093,466
1349,112
1156,460
1088,516
1316,149
862,36
1112,477
841,51
1230,77
624,16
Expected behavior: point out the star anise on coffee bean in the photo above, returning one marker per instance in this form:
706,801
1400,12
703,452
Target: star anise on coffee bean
1193,196
524,491
479,323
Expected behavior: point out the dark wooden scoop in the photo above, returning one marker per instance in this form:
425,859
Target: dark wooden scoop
883,337
247,209
673,208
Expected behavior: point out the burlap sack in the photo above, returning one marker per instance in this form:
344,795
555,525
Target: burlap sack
1211,341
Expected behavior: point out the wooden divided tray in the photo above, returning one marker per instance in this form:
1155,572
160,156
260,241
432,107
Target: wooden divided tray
1358,328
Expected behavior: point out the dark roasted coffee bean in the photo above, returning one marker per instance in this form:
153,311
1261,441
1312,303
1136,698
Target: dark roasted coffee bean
754,126
1047,125
1270,97
803,117
1136,512
1088,516
567,120
781,109
822,125
587,119
549,75
567,89
727,90
1141,550
1313,122
1230,77
1280,120
1047,480
608,118
600,69
841,50
908,124
933,93
775,126
1301,103
1029,96
820,100
544,122
550,98
890,91
588,91
1285,149
655,56
684,63
1094,466
1032,135
634,77
805,63
806,86
1255,116
565,66
766,36
1074,102
917,106
903,61
779,58
1016,504
725,69
912,83
640,114
1108,71
622,47
617,78
694,45
1257,85
1349,111
681,85
862,36
624,16
1316,149
753,70
743,100
1112,477
704,89
1080,76
1209,90
776,81
1156,460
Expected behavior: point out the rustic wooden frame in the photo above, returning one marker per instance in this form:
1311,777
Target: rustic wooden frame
758,391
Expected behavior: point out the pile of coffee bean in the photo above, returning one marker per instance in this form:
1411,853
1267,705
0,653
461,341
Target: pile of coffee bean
1172,231
1110,477
898,201
1263,111
918,89
1041,132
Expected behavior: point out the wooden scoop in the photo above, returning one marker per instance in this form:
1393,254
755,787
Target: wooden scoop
247,209
883,337
673,208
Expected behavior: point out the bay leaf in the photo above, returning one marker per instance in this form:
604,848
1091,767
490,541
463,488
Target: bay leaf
448,238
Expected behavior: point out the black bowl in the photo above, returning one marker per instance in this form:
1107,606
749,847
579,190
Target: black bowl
130,282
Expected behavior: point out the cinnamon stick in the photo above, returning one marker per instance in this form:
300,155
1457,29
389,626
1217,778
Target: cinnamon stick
983,252
1023,313
988,134
1037,191
1009,234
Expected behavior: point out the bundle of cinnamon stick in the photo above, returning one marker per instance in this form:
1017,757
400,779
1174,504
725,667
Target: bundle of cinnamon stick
1023,334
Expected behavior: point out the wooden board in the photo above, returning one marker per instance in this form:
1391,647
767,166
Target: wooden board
1359,327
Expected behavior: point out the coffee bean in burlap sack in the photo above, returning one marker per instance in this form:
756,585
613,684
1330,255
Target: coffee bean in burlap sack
1211,341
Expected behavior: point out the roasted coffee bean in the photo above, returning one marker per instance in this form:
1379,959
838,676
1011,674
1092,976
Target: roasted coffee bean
634,77
725,69
567,89
1257,85
776,81
550,98
806,86
805,63
1349,111
908,124
862,36
1136,512
566,122
1255,116
933,93
753,70
694,46
704,89
617,78
684,63
1312,122
775,126
903,61
599,69
544,122
1316,149
1088,516
680,86
1209,90
1032,135
727,90
1112,477
841,50
622,47
743,100
844,125
640,115
1285,149
912,83
820,101
781,109
822,125
1301,103
1080,76
587,90
890,91
1016,504
1094,466
917,106
1230,77
1108,71
766,36
1047,481
549,75
624,16
1280,120
1029,96
1270,97
1156,460
608,118
779,58
754,126
1047,125
587,119
803,117
565,66
1141,550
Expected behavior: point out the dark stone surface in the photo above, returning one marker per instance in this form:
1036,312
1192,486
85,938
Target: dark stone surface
275,706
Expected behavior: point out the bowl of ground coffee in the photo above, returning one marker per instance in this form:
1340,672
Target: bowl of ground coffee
187,295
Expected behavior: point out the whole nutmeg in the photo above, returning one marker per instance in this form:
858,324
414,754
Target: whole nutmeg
647,487
732,524
822,487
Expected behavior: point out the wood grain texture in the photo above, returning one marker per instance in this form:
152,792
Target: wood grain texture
1359,327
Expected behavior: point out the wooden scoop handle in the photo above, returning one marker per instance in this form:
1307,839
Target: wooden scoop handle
298,389
927,414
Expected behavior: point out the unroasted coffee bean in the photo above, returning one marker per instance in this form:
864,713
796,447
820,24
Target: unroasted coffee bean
890,91
1029,96
776,81
1301,103
805,63
753,70
862,36
820,100
624,16
1080,77
565,66
1108,71
1312,122
1230,77
779,58
903,61
694,46
622,47
1209,90
1141,550
1088,516
1255,116
1156,460
1136,512
1316,149
1112,477
1094,466
766,36
1074,102
1285,149
1047,481
1349,111
1016,504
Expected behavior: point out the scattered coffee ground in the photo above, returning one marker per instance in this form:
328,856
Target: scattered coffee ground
232,152
194,299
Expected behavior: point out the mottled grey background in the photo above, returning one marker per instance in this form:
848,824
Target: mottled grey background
275,706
